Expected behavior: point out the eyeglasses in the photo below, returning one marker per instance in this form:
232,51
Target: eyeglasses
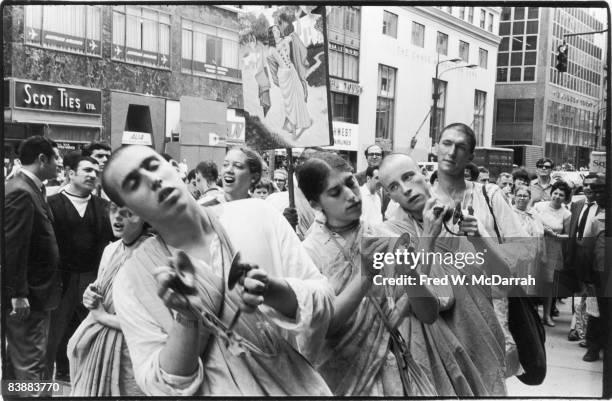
374,154
545,166
523,196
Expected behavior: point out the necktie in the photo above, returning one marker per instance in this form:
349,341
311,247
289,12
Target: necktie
43,189
583,221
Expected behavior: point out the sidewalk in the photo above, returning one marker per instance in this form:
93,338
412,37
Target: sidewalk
567,374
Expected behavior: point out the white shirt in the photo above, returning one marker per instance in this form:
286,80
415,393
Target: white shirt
79,203
370,206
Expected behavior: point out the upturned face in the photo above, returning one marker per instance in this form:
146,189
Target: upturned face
557,197
148,184
401,177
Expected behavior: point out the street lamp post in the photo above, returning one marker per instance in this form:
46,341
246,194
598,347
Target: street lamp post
436,95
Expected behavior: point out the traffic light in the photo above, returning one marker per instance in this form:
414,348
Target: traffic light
562,58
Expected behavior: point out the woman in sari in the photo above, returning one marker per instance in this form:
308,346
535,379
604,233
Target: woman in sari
99,359
358,356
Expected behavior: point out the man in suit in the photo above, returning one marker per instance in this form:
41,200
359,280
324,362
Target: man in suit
31,286
83,230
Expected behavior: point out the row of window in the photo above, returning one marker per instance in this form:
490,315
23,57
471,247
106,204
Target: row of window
418,39
346,18
513,111
519,13
577,42
385,105
140,35
578,20
343,62
571,82
486,20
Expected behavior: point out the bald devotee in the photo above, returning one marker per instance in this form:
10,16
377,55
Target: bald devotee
183,333
467,340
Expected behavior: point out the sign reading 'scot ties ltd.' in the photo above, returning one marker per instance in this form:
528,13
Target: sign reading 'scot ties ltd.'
35,96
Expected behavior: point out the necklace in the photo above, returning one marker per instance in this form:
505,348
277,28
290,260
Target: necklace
342,229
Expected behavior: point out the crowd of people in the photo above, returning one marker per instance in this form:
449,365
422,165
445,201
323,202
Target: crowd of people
132,275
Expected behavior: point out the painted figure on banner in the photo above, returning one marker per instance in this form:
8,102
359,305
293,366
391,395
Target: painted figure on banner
284,77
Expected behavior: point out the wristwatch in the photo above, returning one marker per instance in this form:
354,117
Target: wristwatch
185,321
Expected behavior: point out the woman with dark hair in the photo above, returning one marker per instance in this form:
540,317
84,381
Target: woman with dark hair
100,363
356,357
556,221
241,171
288,67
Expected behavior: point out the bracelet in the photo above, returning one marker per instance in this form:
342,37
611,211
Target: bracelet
185,321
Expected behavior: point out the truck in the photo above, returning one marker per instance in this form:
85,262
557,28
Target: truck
496,160
526,155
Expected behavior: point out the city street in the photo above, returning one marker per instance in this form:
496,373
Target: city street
568,375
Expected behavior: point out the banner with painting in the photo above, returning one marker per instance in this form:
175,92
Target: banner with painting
284,76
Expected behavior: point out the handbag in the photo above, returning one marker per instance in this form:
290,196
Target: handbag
525,326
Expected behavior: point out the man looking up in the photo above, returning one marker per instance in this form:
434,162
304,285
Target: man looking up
172,352
83,230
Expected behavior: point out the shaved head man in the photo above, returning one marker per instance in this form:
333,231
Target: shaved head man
402,178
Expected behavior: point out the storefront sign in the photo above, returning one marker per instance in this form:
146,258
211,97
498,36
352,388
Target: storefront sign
136,138
572,99
29,95
346,136
340,85
598,162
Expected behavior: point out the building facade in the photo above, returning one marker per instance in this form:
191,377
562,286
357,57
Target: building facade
343,36
404,48
167,75
538,105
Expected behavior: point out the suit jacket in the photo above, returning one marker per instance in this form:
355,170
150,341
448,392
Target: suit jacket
32,253
570,245
103,231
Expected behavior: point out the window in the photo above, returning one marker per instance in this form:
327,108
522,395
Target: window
518,46
464,51
515,110
71,28
351,19
506,13
483,58
385,104
418,34
209,50
490,28
343,62
471,15
462,13
141,35
345,108
442,43
389,24
483,17
440,110
480,102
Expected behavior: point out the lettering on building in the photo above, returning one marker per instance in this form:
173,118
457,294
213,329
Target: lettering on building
572,99
339,85
57,98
